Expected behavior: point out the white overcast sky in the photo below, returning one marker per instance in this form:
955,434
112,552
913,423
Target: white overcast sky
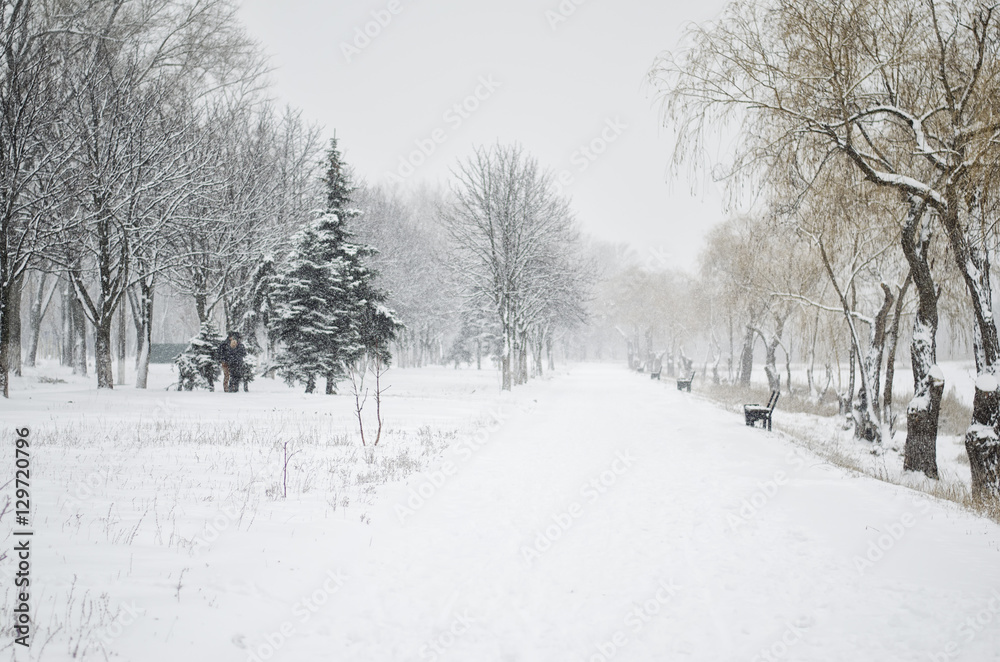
558,89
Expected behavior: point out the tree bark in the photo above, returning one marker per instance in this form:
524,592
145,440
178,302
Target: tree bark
548,351
79,337
121,345
922,414
507,382
39,305
890,361
746,356
141,303
972,258
14,337
869,410
771,354
4,330
68,335
981,441
103,364
522,362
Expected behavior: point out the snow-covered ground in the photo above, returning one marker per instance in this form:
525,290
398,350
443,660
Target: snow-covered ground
834,435
595,515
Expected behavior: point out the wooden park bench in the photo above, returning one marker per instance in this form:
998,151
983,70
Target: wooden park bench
655,374
684,383
754,413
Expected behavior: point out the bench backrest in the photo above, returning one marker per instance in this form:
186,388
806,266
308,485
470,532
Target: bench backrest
773,400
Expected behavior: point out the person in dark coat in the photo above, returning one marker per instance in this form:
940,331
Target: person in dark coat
231,354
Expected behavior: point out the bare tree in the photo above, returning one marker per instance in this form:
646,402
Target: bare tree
509,229
903,90
35,45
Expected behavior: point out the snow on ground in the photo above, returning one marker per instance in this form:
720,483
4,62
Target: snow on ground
834,435
596,515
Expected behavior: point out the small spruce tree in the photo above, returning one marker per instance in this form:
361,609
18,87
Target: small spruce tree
198,366
328,310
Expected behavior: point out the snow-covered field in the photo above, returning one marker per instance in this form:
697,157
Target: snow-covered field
594,515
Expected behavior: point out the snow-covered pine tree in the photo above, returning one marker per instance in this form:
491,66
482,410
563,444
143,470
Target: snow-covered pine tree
309,324
197,366
328,311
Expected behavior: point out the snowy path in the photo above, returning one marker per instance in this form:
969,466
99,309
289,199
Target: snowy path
706,540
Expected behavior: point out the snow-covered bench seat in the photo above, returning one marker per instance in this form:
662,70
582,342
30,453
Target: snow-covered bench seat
754,413
684,383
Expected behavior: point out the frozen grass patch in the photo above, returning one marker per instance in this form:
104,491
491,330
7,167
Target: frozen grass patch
172,488
734,396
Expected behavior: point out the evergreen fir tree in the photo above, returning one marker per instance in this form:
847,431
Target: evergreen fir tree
328,310
197,366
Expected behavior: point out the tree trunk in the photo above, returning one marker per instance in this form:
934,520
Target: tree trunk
788,367
537,348
102,354
868,414
39,305
853,355
771,355
920,453
810,371
507,355
890,361
331,385
201,307
523,360
121,345
14,337
79,337
141,304
68,335
548,351
746,356
732,350
311,384
981,439
4,330
848,401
